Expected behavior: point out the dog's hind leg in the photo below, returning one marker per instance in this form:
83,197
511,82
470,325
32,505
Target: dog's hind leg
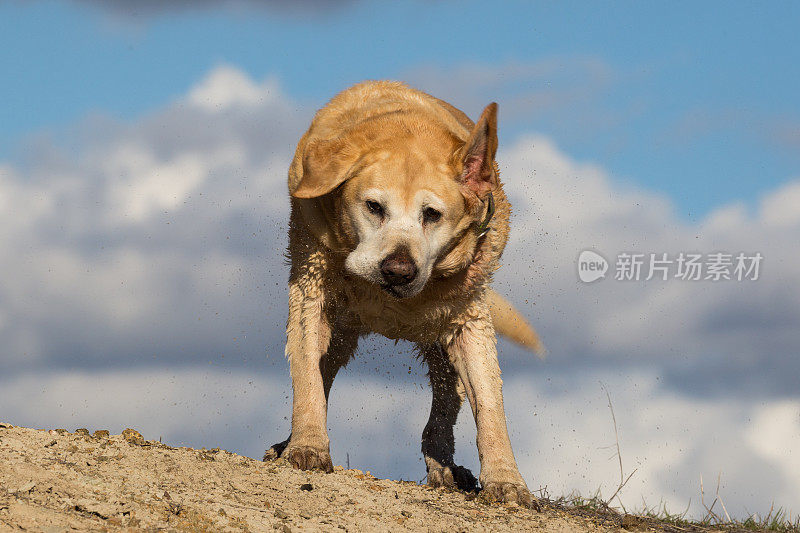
438,441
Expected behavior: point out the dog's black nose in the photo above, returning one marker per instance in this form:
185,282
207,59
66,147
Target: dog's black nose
398,268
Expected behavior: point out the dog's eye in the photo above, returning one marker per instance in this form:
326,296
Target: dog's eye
375,208
430,215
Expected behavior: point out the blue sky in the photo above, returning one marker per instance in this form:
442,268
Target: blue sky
143,160
696,100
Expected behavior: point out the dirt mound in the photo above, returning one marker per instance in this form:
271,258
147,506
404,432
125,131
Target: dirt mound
55,481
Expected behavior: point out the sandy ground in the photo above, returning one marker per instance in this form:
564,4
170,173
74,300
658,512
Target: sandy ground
56,481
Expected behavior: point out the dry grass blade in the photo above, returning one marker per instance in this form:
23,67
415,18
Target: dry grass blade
622,479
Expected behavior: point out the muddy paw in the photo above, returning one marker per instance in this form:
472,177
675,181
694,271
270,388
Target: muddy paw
308,458
276,451
452,477
495,492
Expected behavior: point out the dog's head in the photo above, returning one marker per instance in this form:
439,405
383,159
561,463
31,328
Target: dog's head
408,192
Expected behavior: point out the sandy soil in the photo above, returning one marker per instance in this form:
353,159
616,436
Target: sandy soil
55,481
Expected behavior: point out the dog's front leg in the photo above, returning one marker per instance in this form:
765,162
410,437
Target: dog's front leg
308,335
342,345
473,353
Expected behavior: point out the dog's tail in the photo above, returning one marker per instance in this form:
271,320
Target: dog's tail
510,323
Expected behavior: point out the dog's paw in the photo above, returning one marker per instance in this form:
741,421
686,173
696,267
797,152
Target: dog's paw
500,492
276,451
452,477
302,457
308,458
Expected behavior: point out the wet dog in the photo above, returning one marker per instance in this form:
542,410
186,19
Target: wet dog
398,220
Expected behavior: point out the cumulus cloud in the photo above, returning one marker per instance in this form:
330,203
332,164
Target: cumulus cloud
141,259
706,336
565,439
155,241
228,87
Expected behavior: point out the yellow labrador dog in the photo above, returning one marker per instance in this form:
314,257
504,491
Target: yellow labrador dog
398,222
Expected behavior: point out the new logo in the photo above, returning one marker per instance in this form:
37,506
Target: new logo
591,266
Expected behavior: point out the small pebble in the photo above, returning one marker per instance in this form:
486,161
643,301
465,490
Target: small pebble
27,487
307,487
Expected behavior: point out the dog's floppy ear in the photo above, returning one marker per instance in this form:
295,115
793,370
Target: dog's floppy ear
326,165
477,155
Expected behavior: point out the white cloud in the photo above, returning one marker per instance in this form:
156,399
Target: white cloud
670,440
162,235
200,407
780,208
562,207
145,186
227,86
774,433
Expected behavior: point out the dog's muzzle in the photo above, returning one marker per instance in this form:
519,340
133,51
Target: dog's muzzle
398,269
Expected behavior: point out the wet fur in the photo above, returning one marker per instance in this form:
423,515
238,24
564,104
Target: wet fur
421,147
